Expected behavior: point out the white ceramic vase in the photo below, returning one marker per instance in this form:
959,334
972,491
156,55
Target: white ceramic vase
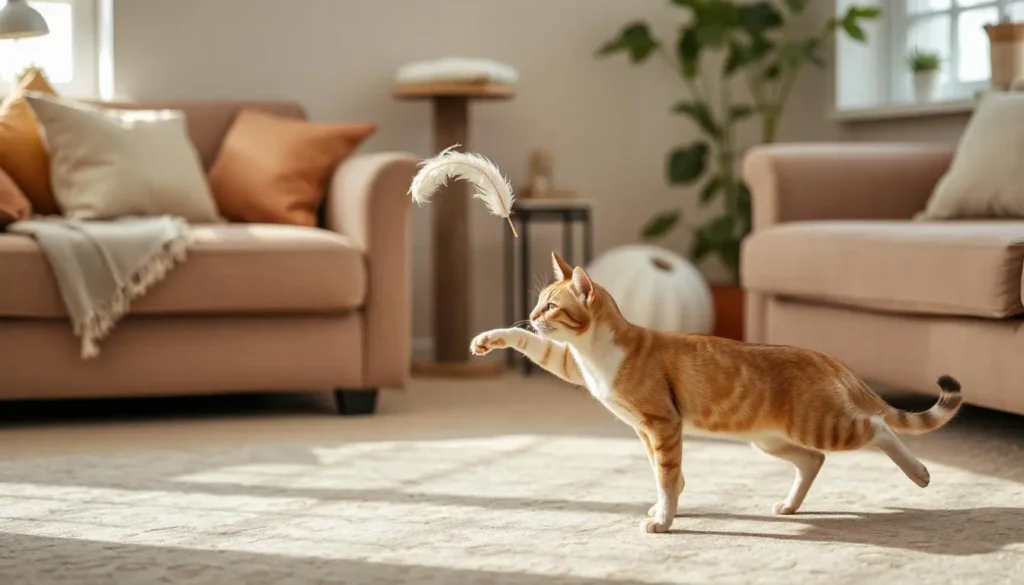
656,288
925,83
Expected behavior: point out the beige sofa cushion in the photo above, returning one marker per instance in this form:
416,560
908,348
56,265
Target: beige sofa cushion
232,268
107,163
985,179
944,268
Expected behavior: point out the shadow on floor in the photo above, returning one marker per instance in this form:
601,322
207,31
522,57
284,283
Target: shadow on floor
960,532
37,413
45,560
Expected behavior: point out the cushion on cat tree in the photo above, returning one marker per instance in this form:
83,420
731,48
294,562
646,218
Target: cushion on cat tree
457,70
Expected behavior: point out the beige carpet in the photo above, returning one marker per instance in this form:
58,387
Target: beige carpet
512,481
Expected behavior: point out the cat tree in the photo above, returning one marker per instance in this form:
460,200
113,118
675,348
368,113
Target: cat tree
452,291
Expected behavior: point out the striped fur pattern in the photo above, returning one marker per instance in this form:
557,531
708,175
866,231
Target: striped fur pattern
790,403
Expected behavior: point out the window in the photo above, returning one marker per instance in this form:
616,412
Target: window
877,74
68,54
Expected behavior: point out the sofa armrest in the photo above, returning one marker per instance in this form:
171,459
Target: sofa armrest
794,182
369,202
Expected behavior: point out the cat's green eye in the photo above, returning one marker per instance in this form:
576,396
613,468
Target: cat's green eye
550,307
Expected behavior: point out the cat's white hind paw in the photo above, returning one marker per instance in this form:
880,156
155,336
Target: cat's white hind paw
920,475
783,509
653,526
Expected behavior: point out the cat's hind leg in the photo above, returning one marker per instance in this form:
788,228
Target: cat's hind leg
886,441
667,444
808,463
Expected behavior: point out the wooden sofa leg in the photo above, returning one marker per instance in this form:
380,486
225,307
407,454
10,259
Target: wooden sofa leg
354,402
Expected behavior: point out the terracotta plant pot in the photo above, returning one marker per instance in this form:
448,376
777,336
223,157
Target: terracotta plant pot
729,310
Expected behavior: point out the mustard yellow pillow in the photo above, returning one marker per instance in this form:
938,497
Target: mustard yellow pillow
13,205
23,153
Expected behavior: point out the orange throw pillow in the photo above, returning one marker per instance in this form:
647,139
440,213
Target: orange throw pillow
23,153
13,204
274,169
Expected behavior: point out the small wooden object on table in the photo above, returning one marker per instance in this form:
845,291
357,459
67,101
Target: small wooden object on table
452,293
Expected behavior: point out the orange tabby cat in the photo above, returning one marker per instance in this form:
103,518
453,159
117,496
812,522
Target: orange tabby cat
788,402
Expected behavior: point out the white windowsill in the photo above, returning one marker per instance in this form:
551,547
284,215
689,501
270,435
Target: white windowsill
904,111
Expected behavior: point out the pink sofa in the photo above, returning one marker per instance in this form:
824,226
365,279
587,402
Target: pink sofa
255,307
835,264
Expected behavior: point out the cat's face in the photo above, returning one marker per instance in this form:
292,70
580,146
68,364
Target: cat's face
565,308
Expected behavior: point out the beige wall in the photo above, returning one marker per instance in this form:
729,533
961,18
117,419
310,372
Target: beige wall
607,123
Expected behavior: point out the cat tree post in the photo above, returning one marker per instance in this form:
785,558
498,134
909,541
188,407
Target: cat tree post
452,289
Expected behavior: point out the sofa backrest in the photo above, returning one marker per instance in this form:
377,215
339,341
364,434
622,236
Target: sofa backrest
208,121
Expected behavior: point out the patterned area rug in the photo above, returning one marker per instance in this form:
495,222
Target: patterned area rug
552,499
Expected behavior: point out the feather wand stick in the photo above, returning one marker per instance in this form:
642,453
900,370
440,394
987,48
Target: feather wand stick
491,186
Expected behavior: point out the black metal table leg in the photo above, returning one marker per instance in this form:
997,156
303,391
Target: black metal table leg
524,260
510,287
567,220
588,238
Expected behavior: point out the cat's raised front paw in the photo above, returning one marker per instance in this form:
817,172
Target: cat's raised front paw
653,526
485,342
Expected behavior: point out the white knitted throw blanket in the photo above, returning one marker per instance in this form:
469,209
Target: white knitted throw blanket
102,266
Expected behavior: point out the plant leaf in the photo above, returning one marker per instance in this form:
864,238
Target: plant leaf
759,17
713,237
741,112
635,38
737,57
688,52
743,209
712,34
729,253
760,46
854,30
700,248
700,114
720,229
687,163
710,189
867,12
797,6
661,224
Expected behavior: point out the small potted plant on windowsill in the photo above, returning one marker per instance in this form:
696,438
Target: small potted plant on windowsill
925,65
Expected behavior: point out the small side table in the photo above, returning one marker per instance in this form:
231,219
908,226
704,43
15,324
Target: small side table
524,212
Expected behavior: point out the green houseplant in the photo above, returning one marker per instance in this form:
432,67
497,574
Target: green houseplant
759,50
925,66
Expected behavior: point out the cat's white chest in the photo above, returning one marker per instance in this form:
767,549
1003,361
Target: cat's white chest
600,368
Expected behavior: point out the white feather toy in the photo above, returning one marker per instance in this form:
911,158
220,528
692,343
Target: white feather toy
491,186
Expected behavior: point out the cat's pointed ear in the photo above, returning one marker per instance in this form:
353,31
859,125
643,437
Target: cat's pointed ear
562,270
582,284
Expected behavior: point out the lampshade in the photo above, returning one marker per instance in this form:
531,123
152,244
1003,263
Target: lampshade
18,20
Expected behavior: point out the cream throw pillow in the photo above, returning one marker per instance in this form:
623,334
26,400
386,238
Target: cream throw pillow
985,178
107,163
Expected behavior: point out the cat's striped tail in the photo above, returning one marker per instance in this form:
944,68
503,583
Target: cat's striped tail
915,423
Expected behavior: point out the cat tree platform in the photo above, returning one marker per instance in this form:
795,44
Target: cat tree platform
452,290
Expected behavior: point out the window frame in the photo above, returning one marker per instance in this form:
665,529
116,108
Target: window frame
900,22
886,54
85,49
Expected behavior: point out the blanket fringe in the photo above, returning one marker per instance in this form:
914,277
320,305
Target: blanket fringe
98,324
